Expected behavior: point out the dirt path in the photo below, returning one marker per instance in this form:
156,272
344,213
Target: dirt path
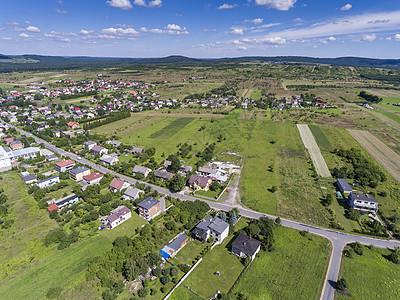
385,156
284,85
78,100
379,94
313,149
244,93
233,197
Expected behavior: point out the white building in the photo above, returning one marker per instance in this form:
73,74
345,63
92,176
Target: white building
48,182
5,159
117,216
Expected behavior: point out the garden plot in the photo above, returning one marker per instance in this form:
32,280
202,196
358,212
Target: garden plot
313,149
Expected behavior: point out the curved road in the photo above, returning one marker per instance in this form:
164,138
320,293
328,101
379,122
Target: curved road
337,238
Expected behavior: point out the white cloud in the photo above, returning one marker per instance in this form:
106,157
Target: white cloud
237,42
60,36
298,20
331,38
209,30
139,2
24,35
173,27
277,4
5,38
155,3
237,31
32,29
86,32
122,4
346,7
226,6
396,37
266,40
256,21
61,11
61,2
369,37
120,31
356,24
242,48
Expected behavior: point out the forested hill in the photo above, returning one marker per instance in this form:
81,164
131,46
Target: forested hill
10,63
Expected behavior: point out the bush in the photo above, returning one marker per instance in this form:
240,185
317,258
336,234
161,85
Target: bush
143,292
54,292
341,284
165,279
357,247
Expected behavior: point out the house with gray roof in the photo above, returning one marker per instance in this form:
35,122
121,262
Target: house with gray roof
171,249
149,208
132,193
245,245
143,170
363,202
109,160
163,175
211,227
343,186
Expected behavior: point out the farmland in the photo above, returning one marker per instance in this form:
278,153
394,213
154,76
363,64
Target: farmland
371,275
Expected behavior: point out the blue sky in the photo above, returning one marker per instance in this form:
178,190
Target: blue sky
195,28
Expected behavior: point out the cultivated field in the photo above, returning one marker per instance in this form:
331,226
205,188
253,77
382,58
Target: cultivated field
313,149
385,156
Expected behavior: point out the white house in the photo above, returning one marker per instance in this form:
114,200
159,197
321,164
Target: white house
48,182
5,159
117,216
143,170
211,227
363,202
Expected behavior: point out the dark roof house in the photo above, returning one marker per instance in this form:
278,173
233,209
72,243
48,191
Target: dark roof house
244,246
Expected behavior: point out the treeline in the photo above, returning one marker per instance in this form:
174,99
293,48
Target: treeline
369,97
78,95
305,87
358,167
4,211
112,118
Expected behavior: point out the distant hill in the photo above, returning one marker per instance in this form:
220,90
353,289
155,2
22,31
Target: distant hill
32,62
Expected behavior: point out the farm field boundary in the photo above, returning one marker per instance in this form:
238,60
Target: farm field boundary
385,156
314,151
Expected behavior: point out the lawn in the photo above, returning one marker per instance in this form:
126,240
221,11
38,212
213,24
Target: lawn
371,276
294,270
390,115
202,280
183,293
189,252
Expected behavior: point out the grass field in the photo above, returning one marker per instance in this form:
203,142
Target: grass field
294,270
391,115
21,245
320,138
255,95
203,281
371,276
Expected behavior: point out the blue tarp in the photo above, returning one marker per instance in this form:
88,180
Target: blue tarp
165,255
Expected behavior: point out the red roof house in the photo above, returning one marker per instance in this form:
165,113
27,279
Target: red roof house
52,207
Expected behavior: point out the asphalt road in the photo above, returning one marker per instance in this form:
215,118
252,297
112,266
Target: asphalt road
337,238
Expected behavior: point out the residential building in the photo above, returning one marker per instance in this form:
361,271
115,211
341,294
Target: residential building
149,208
363,202
29,179
78,173
15,145
48,182
89,145
117,185
136,150
206,171
52,207
26,153
143,170
163,175
72,125
115,144
198,182
117,217
343,186
67,201
132,193
93,178
109,160
244,246
96,149
65,165
211,227
5,159
171,249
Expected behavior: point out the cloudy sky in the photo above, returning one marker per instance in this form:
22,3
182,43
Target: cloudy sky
196,28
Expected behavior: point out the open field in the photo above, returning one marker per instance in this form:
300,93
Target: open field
294,270
183,293
21,245
313,150
385,156
320,138
371,275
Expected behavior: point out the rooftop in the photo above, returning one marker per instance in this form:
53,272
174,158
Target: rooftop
148,203
79,169
65,163
246,244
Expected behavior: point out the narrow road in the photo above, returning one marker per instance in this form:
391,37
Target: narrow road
337,238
